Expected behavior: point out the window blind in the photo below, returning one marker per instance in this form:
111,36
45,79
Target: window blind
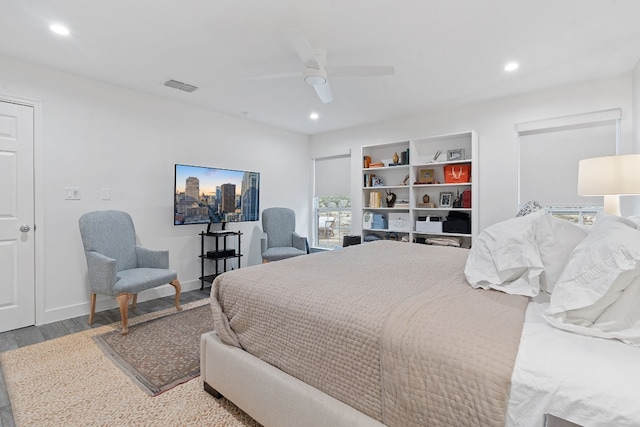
333,176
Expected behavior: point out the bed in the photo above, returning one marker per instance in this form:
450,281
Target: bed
390,333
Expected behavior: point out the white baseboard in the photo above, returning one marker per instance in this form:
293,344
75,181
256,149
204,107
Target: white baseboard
107,303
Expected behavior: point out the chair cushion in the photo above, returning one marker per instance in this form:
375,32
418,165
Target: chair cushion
139,279
278,253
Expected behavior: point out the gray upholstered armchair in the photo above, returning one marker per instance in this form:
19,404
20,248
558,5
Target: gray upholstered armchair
279,238
117,266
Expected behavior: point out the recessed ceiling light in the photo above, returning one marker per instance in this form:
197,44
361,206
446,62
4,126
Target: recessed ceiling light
314,116
511,66
59,29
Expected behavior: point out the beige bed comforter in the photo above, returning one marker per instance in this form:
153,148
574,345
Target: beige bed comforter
390,328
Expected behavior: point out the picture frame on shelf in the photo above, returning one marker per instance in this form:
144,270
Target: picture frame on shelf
446,200
426,176
456,154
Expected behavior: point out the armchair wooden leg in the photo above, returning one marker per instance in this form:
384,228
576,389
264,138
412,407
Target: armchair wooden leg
123,301
176,284
134,303
92,310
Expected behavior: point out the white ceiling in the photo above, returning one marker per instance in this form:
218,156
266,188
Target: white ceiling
445,52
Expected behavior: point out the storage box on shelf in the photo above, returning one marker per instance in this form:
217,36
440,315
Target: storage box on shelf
439,183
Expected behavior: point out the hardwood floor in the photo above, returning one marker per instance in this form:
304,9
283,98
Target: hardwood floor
34,334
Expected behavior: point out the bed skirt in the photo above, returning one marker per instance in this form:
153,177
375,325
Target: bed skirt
269,395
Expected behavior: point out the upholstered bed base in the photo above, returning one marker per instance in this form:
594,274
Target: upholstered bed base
270,396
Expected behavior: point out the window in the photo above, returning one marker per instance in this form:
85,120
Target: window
580,216
332,201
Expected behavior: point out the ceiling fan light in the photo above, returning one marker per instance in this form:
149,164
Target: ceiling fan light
315,77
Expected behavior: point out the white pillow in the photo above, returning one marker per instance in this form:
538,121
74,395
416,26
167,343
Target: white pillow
504,257
522,255
604,218
598,291
635,219
556,239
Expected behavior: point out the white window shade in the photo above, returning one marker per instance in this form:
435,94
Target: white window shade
549,157
333,176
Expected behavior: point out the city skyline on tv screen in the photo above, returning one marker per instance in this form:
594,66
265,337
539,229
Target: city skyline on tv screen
209,194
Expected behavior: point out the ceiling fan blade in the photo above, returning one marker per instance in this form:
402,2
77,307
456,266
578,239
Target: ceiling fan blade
324,92
303,49
361,71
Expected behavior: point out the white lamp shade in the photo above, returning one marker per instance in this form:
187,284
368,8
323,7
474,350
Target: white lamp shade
609,175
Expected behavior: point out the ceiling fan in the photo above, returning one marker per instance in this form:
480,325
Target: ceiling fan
316,72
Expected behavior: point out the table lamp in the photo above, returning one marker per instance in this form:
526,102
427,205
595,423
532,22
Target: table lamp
611,177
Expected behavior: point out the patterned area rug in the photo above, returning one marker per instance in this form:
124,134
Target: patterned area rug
68,381
161,353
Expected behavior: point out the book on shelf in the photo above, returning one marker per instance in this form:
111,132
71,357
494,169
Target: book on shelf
375,199
404,157
376,165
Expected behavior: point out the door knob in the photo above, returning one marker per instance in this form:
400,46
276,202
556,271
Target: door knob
25,228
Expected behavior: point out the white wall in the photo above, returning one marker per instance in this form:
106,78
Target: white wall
495,123
636,122
98,136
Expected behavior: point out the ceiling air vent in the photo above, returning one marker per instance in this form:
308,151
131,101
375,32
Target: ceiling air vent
179,85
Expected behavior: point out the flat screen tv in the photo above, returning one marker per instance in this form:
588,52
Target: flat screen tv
209,195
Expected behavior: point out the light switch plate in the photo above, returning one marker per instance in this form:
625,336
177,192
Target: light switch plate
72,193
106,194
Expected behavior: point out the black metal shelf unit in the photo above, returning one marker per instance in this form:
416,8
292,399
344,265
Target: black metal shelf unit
220,256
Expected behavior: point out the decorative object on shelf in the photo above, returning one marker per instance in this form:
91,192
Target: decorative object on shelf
457,203
460,173
426,176
426,198
367,220
376,181
446,199
396,159
457,154
404,181
366,161
466,198
391,199
435,156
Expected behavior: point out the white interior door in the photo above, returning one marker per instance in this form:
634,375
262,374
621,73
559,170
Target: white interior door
17,248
